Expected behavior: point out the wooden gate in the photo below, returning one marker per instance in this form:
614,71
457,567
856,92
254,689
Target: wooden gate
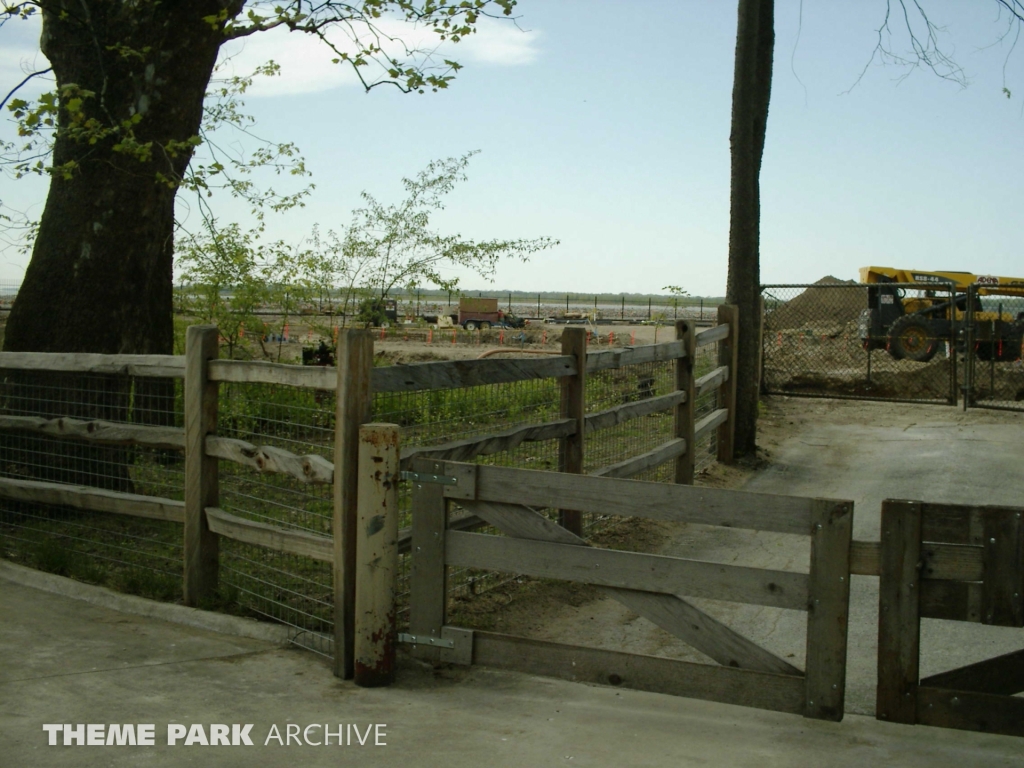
652,586
954,562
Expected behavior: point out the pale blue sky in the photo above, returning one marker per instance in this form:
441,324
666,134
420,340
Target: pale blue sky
606,125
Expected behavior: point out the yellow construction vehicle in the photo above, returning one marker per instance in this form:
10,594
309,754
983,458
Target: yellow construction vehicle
915,327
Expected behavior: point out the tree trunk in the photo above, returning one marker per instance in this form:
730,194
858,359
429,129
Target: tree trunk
100,277
752,83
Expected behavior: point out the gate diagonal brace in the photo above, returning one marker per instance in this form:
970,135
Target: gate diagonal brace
670,612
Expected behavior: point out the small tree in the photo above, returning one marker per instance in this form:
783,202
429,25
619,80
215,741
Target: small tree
227,278
389,246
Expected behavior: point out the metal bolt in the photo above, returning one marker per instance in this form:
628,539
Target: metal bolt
819,526
834,686
841,578
956,701
991,541
911,585
419,549
810,703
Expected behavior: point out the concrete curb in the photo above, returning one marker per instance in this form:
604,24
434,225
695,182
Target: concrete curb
140,606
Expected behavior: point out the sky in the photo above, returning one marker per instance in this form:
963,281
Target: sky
606,126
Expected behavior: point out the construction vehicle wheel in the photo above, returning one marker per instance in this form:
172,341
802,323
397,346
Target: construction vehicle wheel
484,325
470,325
911,338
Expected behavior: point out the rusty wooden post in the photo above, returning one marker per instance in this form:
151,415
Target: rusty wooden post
376,555
200,545
573,406
684,413
728,355
352,409
899,612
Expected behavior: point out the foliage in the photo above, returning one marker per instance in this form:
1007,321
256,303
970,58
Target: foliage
393,246
357,34
228,277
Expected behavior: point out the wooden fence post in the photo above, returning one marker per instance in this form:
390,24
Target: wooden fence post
685,411
828,610
570,449
354,358
200,545
728,354
376,555
899,612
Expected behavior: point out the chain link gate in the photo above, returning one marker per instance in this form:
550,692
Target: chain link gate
994,375
886,341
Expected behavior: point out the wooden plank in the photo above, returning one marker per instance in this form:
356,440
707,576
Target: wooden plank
951,561
728,354
709,423
710,381
746,688
1003,567
101,432
949,523
685,413
352,409
376,556
635,465
464,450
428,577
670,612
639,498
628,570
939,561
452,374
1003,675
711,335
623,413
200,546
159,366
270,460
829,610
647,353
260,372
971,711
865,558
573,405
951,600
93,499
271,536
899,624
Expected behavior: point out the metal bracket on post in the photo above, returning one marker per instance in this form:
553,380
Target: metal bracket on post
455,644
423,477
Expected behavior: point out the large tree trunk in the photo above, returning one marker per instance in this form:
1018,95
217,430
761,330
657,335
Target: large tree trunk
752,83
100,277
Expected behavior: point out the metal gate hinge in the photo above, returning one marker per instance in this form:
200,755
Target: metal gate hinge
437,642
423,477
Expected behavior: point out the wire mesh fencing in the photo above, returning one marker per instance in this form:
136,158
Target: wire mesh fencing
285,588
870,342
132,554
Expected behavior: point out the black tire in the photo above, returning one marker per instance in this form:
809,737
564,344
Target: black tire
469,325
912,338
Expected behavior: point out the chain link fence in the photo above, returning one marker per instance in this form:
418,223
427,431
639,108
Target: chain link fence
995,337
870,342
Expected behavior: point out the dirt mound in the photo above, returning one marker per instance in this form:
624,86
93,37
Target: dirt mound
819,308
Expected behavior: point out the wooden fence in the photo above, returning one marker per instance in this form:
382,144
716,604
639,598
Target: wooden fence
653,586
354,379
